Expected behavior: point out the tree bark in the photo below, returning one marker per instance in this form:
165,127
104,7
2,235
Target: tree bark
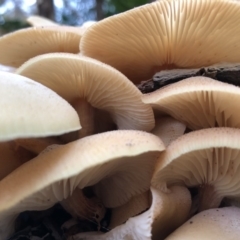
99,9
46,8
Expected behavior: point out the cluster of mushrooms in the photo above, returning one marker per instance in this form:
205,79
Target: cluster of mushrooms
76,130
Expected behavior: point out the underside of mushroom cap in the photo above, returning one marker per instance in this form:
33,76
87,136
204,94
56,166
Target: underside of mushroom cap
19,46
199,102
166,34
119,166
208,159
218,223
167,212
75,77
25,106
39,21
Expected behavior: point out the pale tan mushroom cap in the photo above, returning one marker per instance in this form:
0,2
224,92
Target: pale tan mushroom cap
199,102
168,211
166,34
218,223
208,156
29,109
19,46
38,21
168,129
75,77
120,165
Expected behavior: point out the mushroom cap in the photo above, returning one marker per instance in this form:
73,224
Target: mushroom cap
29,109
166,34
204,157
218,223
120,165
199,102
74,77
168,129
167,212
39,21
19,46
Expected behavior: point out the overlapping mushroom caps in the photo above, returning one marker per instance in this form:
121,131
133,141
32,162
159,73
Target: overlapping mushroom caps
199,102
168,210
119,166
19,46
164,35
25,106
208,160
218,223
89,84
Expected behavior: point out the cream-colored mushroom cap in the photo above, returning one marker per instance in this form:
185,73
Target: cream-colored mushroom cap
199,102
168,129
19,46
118,164
218,223
38,21
81,79
207,159
166,34
29,109
167,212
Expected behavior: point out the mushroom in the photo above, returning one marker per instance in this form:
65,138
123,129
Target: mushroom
118,167
25,107
89,85
39,21
208,160
199,102
218,223
168,129
166,34
19,46
168,211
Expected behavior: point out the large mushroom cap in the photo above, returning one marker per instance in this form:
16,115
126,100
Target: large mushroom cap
19,46
119,166
218,223
103,87
199,102
29,109
166,34
207,159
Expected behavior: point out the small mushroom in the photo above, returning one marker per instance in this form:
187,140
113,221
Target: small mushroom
166,35
118,167
19,46
168,211
89,85
168,129
208,160
199,102
218,223
39,21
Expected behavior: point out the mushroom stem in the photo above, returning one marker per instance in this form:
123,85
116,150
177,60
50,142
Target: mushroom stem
208,198
37,145
86,114
79,206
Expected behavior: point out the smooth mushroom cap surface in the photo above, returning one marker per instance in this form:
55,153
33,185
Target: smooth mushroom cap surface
199,102
39,21
29,109
168,129
119,166
218,223
166,34
19,46
103,87
207,159
168,211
